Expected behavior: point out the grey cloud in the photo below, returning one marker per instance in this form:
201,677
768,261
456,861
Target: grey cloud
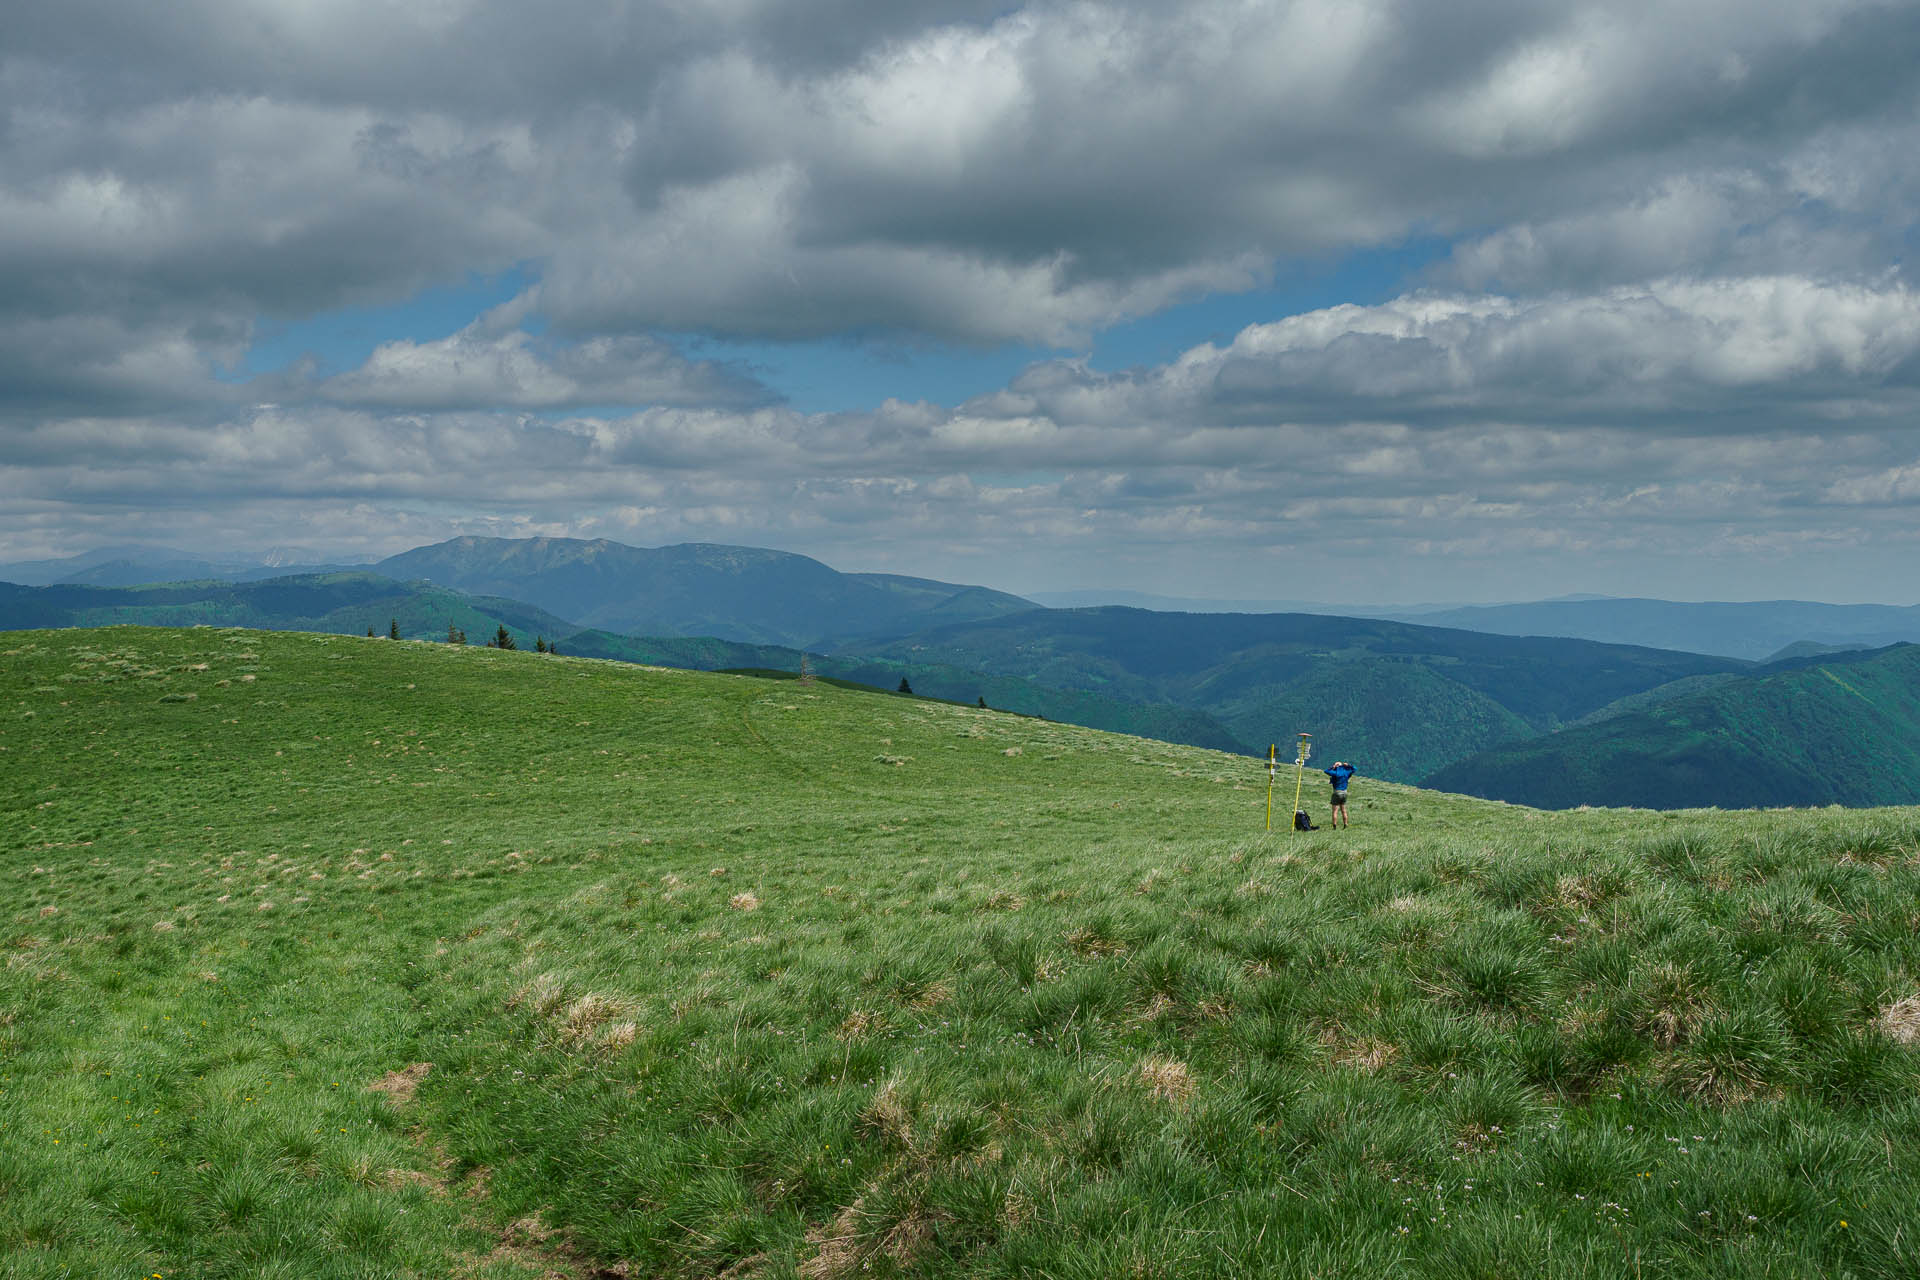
474,369
763,169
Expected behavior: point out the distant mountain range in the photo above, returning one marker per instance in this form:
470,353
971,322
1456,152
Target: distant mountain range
1503,708
131,566
1756,630
1398,698
697,589
348,602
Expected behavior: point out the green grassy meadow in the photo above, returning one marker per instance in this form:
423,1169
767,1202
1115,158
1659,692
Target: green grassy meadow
720,976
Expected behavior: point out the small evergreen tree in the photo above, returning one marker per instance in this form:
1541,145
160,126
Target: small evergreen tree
393,628
539,644
904,686
502,640
983,702
369,633
455,635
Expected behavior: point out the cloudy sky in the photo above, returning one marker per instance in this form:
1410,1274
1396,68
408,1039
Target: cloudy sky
1346,300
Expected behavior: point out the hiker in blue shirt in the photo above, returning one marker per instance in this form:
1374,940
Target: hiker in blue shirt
1340,772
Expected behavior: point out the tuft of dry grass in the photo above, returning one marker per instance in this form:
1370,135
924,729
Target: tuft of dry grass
399,1085
587,1014
837,1247
1901,1020
1167,1079
1367,1053
857,1024
543,995
888,1117
744,902
853,1241
1093,942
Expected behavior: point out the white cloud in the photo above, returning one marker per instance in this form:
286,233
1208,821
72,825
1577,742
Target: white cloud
477,370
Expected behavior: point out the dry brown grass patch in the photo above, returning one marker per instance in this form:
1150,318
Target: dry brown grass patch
888,1117
744,902
853,1240
399,1086
930,996
1157,1008
1901,1020
587,1014
399,1179
1167,1079
859,1023
1366,1053
1091,942
544,995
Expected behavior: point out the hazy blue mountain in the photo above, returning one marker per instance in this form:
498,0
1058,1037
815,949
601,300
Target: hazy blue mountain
696,589
1838,730
1093,599
348,603
1399,699
126,566
1753,630
1814,649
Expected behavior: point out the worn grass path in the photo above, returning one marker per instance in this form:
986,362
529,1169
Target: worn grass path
719,976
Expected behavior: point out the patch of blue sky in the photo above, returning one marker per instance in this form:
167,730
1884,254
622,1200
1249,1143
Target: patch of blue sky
838,375
856,374
841,375
341,340
1365,279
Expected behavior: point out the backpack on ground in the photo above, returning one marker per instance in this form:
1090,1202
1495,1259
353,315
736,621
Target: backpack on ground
1301,822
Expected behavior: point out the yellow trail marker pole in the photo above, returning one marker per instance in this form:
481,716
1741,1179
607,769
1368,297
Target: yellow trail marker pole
1300,768
1273,757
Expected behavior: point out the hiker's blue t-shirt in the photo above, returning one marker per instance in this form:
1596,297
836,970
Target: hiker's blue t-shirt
1339,773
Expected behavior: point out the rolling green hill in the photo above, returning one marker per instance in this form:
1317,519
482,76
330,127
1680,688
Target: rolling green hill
335,958
1402,700
1843,729
1004,693
343,603
696,589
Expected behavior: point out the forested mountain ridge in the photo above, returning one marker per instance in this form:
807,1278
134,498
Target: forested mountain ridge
1403,698
1838,730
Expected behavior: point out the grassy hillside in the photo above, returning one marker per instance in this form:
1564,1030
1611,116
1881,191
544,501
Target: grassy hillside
1401,700
328,957
343,603
1840,730
1159,720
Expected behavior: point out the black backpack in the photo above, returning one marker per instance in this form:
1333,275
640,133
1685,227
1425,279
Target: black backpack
1301,822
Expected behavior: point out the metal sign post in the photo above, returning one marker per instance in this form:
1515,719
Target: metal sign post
1273,759
1300,769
